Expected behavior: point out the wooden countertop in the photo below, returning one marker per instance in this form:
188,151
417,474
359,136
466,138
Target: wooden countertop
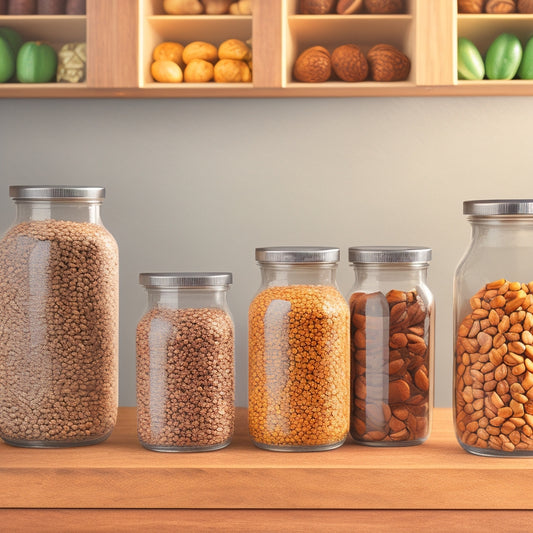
121,474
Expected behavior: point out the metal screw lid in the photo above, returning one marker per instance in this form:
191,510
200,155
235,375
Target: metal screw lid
389,254
185,279
297,254
498,207
50,192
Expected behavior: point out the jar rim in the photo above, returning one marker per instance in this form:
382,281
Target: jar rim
297,254
56,192
498,207
389,254
185,279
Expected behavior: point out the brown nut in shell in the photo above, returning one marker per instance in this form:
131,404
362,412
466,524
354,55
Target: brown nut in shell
200,50
234,49
316,7
198,71
500,7
385,7
313,65
470,6
387,63
525,6
232,71
349,63
347,7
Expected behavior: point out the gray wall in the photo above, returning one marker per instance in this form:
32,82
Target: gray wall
198,184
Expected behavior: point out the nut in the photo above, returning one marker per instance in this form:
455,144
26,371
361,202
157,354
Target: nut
241,7
169,51
385,7
232,71
525,6
200,50
316,7
216,7
313,65
500,7
349,63
198,71
183,7
234,49
387,63
470,6
347,7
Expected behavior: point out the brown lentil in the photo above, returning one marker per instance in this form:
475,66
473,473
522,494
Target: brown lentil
494,369
299,367
390,367
185,379
59,333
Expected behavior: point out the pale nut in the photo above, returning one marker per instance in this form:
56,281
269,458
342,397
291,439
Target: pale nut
470,6
200,50
242,7
232,71
349,63
234,49
387,63
385,7
198,71
500,7
313,65
183,7
348,7
316,7
525,6
216,7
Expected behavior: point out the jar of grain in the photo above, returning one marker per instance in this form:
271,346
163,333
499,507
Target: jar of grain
185,363
299,352
493,318
392,346
58,320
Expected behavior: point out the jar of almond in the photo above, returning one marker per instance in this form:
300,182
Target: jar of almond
392,346
299,352
58,319
493,337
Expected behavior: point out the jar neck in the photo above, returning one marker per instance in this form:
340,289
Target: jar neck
276,274
74,211
187,298
502,231
373,275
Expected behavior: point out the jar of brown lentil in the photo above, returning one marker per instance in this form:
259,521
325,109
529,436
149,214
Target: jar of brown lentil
392,345
299,352
58,320
185,363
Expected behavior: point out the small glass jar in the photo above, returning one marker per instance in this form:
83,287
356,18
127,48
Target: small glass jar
493,335
392,346
185,363
299,352
58,320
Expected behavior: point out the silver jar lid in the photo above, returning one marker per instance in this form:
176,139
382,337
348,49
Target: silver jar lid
297,254
389,254
185,279
498,207
55,192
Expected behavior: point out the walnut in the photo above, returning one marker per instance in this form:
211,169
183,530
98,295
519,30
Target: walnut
313,65
500,7
525,6
470,6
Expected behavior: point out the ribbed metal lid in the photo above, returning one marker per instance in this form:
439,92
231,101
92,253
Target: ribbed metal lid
185,279
498,207
389,254
49,192
297,254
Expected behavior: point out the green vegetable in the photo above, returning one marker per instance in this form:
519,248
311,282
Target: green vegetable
13,38
7,61
470,64
503,57
36,63
526,66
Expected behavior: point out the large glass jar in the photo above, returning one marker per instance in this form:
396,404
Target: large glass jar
185,363
58,320
299,352
392,346
493,335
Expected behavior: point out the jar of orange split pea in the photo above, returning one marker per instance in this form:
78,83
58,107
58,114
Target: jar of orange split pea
299,352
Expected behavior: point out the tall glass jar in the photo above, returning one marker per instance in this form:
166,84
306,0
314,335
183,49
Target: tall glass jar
299,352
392,346
58,319
493,318
185,360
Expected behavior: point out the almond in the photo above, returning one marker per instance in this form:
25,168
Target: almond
316,7
349,63
470,6
313,65
385,7
387,63
347,7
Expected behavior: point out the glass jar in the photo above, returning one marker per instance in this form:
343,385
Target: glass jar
185,363
58,319
299,352
392,346
493,319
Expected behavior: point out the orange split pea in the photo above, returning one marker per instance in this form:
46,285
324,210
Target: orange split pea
299,352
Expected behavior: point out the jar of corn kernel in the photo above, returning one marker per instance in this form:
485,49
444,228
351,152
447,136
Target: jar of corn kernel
392,345
299,352
493,337
185,359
